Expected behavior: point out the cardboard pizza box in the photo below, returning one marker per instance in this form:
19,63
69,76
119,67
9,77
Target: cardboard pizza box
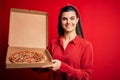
28,30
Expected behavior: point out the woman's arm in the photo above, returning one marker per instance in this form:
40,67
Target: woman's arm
84,72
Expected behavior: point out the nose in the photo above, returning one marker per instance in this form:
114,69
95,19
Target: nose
68,21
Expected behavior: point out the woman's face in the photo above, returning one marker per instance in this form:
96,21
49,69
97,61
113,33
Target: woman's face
69,21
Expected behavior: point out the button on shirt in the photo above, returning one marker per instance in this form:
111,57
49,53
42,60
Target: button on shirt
76,58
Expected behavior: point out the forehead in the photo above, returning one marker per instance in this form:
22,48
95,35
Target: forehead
68,14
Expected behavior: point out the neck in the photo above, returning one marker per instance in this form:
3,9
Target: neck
69,36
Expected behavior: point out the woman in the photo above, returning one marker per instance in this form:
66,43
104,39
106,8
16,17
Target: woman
73,55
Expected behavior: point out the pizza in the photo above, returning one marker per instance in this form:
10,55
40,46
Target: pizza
27,57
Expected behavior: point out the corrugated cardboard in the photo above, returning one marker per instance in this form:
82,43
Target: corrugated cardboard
27,30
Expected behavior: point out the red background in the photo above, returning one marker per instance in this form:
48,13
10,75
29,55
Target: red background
100,22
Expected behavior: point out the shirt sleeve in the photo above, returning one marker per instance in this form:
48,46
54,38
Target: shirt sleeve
84,72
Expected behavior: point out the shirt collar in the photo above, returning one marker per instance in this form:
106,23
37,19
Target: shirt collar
75,40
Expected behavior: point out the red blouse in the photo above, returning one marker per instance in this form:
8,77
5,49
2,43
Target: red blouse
77,59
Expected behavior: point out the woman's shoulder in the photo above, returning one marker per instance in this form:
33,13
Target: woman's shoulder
85,41
52,43
86,45
54,40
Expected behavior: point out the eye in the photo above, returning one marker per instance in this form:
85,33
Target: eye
72,18
64,18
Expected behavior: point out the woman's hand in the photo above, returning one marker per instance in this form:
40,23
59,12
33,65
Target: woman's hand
55,66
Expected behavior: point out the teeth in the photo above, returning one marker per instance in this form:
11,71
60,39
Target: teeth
68,26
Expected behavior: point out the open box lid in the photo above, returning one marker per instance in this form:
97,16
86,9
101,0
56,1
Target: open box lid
28,28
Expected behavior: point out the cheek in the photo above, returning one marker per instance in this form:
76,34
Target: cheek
76,21
63,22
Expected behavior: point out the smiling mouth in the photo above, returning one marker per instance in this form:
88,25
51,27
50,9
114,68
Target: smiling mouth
68,25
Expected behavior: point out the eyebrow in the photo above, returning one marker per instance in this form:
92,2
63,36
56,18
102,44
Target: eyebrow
70,17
